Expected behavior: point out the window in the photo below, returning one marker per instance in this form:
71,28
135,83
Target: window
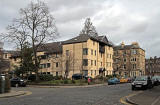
44,56
124,66
133,51
95,52
48,65
56,64
101,63
44,65
56,73
5,55
133,59
85,72
48,72
134,66
85,51
124,53
101,55
91,72
85,62
41,66
91,62
91,52
67,52
95,72
124,60
95,62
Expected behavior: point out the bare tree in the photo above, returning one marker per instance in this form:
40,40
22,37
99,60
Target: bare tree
89,29
35,26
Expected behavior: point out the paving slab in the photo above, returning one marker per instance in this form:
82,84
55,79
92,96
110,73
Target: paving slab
147,97
12,94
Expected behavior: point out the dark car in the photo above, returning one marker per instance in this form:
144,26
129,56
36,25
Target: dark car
18,82
113,81
143,82
156,80
79,76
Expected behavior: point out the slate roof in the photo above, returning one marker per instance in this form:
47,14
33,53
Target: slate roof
84,38
120,47
55,47
15,54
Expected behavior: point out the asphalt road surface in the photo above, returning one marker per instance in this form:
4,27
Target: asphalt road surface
101,95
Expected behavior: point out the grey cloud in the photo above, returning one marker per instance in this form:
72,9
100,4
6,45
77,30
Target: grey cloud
120,20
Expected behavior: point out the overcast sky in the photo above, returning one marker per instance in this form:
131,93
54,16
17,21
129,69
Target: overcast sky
119,20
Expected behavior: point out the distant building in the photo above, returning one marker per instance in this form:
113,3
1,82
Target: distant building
153,66
129,60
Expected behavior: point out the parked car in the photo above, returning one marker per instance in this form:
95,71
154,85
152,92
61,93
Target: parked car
123,80
31,77
113,81
143,82
18,82
156,80
79,76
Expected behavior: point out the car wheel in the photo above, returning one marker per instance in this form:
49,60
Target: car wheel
133,88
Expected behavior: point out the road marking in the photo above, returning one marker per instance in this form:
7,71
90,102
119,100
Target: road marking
26,94
156,100
123,99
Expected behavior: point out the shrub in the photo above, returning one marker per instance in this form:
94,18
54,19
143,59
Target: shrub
65,81
73,81
57,77
46,77
32,77
109,76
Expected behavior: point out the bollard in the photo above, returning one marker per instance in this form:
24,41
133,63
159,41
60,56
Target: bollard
2,84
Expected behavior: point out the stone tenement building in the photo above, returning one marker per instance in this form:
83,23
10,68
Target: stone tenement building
153,66
4,59
83,54
129,60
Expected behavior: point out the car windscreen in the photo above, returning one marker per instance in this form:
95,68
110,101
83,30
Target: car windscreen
141,79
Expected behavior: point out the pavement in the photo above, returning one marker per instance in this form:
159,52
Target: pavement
147,97
13,94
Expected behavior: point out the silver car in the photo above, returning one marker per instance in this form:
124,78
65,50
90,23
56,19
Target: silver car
143,82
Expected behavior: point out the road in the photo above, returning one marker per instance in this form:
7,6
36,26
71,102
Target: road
102,95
